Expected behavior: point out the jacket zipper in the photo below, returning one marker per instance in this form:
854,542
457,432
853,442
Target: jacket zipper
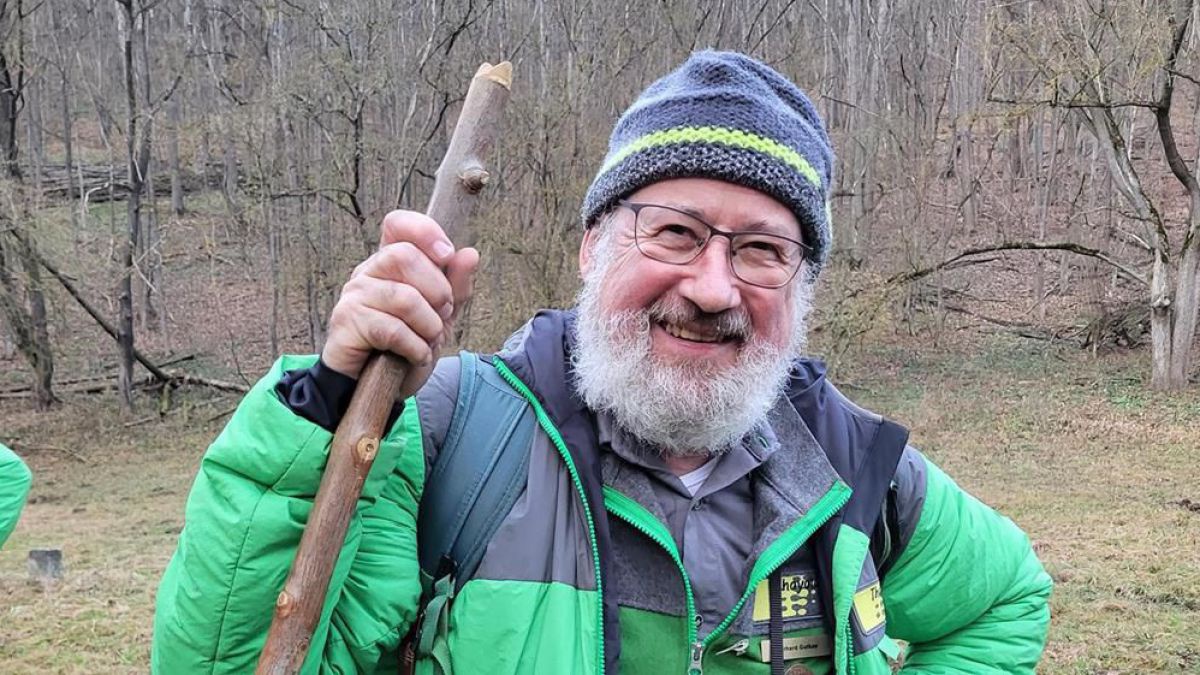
738,648
643,521
771,559
555,437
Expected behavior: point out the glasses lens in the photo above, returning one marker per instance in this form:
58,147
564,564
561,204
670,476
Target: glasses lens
765,260
668,235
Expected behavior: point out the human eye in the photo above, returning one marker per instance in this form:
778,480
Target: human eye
764,249
669,228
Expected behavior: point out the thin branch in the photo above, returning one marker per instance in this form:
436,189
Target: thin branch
1071,103
1070,247
1179,73
1162,113
95,314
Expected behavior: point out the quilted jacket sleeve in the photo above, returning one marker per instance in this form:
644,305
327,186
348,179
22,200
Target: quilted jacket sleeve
14,488
967,592
243,521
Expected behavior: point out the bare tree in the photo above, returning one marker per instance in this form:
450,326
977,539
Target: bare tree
1089,75
13,78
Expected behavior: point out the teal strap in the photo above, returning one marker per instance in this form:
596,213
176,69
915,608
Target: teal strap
436,617
478,474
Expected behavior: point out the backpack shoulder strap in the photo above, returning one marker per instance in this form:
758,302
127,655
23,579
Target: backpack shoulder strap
477,475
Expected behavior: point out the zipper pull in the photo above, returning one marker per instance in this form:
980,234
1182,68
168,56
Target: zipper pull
738,648
697,667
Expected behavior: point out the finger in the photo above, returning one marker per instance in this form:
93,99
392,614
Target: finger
460,274
403,262
418,229
387,333
401,301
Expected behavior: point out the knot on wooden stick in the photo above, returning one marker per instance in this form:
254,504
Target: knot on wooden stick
365,449
474,178
284,604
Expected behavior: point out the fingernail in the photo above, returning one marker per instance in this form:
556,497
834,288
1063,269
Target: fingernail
446,310
442,249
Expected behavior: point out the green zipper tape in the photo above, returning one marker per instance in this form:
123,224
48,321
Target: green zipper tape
643,521
552,431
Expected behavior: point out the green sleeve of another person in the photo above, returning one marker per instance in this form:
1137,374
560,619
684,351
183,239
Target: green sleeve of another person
968,593
14,488
243,521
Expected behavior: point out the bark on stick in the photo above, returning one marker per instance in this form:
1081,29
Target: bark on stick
460,177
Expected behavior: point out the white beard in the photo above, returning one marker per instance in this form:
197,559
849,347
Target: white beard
685,409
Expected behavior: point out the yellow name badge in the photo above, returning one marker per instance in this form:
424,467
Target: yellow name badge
868,605
799,598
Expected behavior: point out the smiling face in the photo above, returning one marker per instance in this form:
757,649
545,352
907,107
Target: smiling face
700,303
688,357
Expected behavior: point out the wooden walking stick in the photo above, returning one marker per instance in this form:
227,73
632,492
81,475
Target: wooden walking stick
459,178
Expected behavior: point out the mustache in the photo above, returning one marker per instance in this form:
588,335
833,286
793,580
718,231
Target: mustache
729,323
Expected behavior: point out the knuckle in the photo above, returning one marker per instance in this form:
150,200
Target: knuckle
351,286
394,221
403,221
406,297
403,254
380,335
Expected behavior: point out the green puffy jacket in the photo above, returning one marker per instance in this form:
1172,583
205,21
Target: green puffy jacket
962,584
14,488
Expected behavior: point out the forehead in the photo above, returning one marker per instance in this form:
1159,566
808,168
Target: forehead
724,205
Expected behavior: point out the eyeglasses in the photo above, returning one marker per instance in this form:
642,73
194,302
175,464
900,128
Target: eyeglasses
675,237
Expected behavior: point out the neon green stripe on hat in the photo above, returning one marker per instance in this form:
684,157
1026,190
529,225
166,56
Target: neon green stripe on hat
735,138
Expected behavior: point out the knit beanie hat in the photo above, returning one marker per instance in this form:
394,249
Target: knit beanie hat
726,116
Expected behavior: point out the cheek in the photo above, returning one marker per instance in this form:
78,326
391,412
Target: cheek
772,317
634,282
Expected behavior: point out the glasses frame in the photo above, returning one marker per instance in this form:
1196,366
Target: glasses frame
636,207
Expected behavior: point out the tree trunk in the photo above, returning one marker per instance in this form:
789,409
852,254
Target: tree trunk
1161,315
68,150
27,320
41,356
1186,306
134,211
149,254
10,108
173,119
33,126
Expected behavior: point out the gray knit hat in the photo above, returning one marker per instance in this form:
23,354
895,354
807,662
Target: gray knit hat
727,116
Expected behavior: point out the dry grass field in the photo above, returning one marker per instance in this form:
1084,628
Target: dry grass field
1104,476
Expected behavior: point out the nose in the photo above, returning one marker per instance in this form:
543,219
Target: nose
710,283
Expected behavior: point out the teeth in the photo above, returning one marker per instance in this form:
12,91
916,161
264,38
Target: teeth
681,332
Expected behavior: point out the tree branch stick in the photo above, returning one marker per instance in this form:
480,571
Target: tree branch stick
459,179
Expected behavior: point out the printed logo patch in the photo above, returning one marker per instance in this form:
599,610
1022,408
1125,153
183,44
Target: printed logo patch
868,605
800,599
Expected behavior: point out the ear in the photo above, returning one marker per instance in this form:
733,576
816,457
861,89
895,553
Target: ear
586,248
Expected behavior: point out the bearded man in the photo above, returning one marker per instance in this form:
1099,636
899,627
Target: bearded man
692,494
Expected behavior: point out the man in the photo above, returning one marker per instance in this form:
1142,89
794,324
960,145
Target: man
695,496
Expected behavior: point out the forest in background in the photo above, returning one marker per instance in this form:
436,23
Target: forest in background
1014,267
203,174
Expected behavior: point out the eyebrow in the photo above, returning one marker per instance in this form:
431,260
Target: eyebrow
769,227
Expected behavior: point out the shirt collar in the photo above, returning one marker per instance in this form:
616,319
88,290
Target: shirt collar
739,460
